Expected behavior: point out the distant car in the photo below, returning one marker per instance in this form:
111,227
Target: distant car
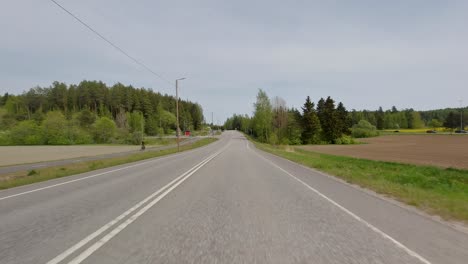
431,131
461,131
396,131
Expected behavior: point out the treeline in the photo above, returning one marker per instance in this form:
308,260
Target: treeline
91,112
409,118
273,122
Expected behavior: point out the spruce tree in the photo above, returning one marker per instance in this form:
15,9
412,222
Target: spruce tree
331,125
345,120
320,109
380,118
310,123
451,121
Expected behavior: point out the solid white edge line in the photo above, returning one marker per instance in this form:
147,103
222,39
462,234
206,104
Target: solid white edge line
98,232
373,228
95,175
90,250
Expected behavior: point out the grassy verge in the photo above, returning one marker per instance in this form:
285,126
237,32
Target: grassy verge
439,191
27,177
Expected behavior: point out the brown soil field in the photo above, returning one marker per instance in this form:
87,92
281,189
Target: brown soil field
11,155
437,150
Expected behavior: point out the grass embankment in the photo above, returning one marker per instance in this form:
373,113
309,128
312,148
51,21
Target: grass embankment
27,177
439,191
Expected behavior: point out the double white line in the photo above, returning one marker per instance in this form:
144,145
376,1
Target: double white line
152,199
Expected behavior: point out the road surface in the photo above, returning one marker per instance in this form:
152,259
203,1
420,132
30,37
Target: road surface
223,203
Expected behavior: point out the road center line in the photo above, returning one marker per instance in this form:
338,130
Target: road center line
167,188
373,228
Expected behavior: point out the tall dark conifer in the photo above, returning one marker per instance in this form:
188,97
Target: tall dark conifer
310,123
331,127
379,116
452,121
345,120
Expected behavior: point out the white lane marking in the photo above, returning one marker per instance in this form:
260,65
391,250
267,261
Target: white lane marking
373,228
95,175
87,239
80,179
90,250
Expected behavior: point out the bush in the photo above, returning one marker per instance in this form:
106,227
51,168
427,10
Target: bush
273,139
55,129
104,130
136,121
135,138
345,140
26,133
80,136
4,138
86,118
7,121
364,129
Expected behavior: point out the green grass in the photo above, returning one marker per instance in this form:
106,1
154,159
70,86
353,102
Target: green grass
27,177
439,191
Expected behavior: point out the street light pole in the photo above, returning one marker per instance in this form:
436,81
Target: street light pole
177,112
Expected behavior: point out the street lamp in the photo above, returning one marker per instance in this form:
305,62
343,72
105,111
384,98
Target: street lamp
177,111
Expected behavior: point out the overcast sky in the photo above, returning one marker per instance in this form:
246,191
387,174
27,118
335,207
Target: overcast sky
367,54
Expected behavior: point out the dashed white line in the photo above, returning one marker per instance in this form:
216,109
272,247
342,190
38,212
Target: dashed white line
92,176
164,190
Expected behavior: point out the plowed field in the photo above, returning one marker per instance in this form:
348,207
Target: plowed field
437,150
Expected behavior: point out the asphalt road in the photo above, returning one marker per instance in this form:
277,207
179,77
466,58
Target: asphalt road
54,163
223,203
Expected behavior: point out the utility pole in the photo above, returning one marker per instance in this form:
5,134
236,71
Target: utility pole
177,112
212,124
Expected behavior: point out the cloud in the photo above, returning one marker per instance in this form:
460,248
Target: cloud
364,53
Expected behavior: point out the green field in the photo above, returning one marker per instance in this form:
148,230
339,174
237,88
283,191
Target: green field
438,191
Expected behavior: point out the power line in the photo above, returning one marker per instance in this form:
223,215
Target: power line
111,43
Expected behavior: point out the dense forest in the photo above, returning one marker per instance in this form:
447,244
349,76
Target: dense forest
275,123
91,112
409,118
327,122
